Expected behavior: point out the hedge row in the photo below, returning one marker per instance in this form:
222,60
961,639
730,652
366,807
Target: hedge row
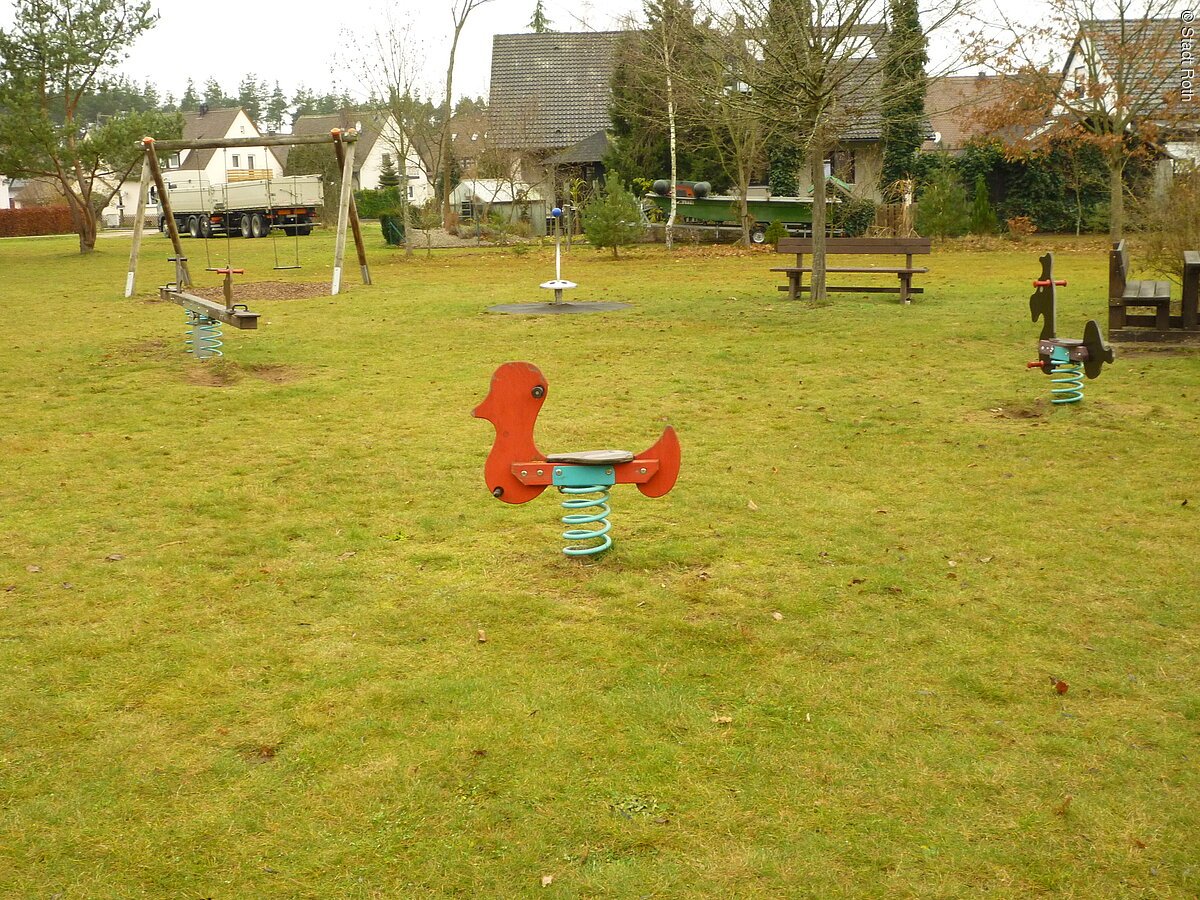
35,220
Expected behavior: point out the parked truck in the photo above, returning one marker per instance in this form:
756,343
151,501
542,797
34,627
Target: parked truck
695,205
246,208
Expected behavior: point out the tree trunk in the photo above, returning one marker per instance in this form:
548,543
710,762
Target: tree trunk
743,205
674,163
404,216
446,148
84,220
816,164
1116,199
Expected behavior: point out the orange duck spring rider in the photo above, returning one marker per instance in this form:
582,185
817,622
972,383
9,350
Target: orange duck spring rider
516,471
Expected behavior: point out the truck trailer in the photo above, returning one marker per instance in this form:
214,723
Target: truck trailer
246,208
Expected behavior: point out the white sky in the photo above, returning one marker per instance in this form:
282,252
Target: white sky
311,43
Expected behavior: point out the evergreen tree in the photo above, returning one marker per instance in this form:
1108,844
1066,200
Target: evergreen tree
214,94
250,97
983,217
190,99
276,109
388,176
904,104
613,218
942,206
539,24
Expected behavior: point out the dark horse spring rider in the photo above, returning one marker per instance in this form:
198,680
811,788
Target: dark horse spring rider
1065,360
516,471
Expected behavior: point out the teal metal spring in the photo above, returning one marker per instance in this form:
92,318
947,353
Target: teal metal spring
576,502
1066,381
203,335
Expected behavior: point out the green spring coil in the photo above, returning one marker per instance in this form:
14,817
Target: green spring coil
580,518
203,335
1069,387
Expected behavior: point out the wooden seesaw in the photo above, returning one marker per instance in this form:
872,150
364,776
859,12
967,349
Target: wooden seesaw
203,315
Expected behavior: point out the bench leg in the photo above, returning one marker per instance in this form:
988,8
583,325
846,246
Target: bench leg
905,285
793,285
1162,317
1116,315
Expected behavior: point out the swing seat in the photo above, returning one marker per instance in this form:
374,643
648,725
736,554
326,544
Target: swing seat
281,268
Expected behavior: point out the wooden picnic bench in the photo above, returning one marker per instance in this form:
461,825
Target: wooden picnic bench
859,246
1124,295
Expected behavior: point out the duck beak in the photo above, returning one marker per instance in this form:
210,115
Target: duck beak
483,410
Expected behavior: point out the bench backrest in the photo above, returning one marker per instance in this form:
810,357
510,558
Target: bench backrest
1118,270
861,245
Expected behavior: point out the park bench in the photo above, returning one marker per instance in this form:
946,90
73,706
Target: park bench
1124,295
861,246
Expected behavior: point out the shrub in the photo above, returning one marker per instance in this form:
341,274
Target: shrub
942,207
1020,227
613,218
775,231
35,220
854,215
1171,222
983,217
392,225
373,204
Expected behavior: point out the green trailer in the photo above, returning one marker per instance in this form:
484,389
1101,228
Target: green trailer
794,213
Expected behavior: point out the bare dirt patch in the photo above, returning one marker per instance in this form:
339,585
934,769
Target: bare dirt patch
265,290
224,373
1034,410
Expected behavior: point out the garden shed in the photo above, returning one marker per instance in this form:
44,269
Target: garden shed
478,199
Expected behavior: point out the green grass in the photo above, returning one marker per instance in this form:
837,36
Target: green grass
275,688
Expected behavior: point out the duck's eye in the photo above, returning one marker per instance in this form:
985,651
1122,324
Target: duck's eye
539,391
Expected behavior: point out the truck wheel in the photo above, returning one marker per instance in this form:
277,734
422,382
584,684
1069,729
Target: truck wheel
205,228
758,235
258,226
162,225
304,229
193,226
244,227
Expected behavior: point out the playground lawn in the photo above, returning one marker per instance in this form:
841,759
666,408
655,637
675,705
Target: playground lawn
264,633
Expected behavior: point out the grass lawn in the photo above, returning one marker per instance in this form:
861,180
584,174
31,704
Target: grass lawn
241,601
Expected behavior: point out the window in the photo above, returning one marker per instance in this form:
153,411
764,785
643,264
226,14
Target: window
465,211
410,192
235,158
249,162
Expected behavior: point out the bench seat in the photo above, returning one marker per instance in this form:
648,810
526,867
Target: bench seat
905,247
1124,294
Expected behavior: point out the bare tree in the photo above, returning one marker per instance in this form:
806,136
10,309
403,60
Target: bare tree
819,73
460,10
1118,89
391,70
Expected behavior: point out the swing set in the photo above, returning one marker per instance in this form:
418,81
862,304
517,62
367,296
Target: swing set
152,172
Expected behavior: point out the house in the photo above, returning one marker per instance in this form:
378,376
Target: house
1133,67
952,104
549,101
5,197
380,143
213,166
479,199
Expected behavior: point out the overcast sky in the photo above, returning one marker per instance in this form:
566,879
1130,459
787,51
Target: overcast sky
308,42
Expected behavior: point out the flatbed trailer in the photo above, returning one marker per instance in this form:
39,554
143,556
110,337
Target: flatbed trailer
246,208
794,213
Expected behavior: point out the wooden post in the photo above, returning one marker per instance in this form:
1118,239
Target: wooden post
339,247
340,148
139,221
165,202
1191,288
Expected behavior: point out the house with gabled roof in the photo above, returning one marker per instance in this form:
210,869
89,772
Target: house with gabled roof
380,143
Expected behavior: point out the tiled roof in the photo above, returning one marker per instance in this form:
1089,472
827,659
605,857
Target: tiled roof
1147,48
591,149
371,122
951,103
551,90
211,125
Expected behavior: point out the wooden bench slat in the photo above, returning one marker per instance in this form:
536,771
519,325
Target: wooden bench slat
882,270
854,289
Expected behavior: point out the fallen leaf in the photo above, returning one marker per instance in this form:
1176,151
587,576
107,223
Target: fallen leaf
345,556
703,576
10,587
114,557
777,616
33,569
481,636
752,506
951,563
67,585
985,559
857,580
547,880
1141,845
1061,686
1061,809
892,589
723,720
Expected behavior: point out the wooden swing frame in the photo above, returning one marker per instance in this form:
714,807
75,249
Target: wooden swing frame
152,171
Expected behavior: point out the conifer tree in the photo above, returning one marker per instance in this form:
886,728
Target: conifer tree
539,24
904,104
613,217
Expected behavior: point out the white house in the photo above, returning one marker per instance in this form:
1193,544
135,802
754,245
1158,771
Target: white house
5,199
380,142
214,166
